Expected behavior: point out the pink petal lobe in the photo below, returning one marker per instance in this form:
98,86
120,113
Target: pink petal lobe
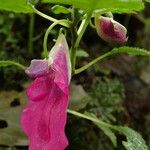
44,118
61,52
37,68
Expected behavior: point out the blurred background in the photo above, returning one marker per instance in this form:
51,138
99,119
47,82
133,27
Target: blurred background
117,89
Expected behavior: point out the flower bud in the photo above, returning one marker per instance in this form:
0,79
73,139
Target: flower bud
110,30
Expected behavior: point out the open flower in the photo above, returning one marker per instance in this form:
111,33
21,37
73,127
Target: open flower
110,30
44,118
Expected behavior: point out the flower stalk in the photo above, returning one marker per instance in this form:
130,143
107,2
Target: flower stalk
80,33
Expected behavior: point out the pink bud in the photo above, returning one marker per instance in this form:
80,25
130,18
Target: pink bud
110,30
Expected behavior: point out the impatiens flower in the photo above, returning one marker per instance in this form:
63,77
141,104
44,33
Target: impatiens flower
110,30
44,118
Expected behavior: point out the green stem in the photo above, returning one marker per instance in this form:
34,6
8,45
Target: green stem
80,33
46,16
31,33
48,31
95,120
5,63
77,71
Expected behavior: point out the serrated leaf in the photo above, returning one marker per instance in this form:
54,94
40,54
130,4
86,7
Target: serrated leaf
134,139
17,6
110,5
57,9
115,51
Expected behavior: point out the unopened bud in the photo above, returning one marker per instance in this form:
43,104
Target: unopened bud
110,30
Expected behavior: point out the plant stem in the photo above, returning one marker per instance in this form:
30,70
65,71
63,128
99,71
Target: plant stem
77,71
95,120
46,16
5,63
48,31
80,33
31,33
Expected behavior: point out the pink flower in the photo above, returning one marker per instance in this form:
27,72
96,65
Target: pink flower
44,118
110,30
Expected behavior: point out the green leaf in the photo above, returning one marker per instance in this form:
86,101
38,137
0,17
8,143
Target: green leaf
57,9
110,5
33,2
81,53
17,6
115,51
108,132
134,139
147,1
7,63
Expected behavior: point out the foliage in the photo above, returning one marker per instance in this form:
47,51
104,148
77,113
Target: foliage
134,139
18,6
107,99
111,5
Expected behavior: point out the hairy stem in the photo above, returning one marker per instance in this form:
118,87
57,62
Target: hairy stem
77,71
89,118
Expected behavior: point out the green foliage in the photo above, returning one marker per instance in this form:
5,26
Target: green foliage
18,6
13,45
115,51
6,24
106,91
134,139
110,5
107,99
57,9
147,1
108,132
81,53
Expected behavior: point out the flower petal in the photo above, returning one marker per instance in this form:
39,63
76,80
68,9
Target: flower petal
37,68
44,118
61,52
